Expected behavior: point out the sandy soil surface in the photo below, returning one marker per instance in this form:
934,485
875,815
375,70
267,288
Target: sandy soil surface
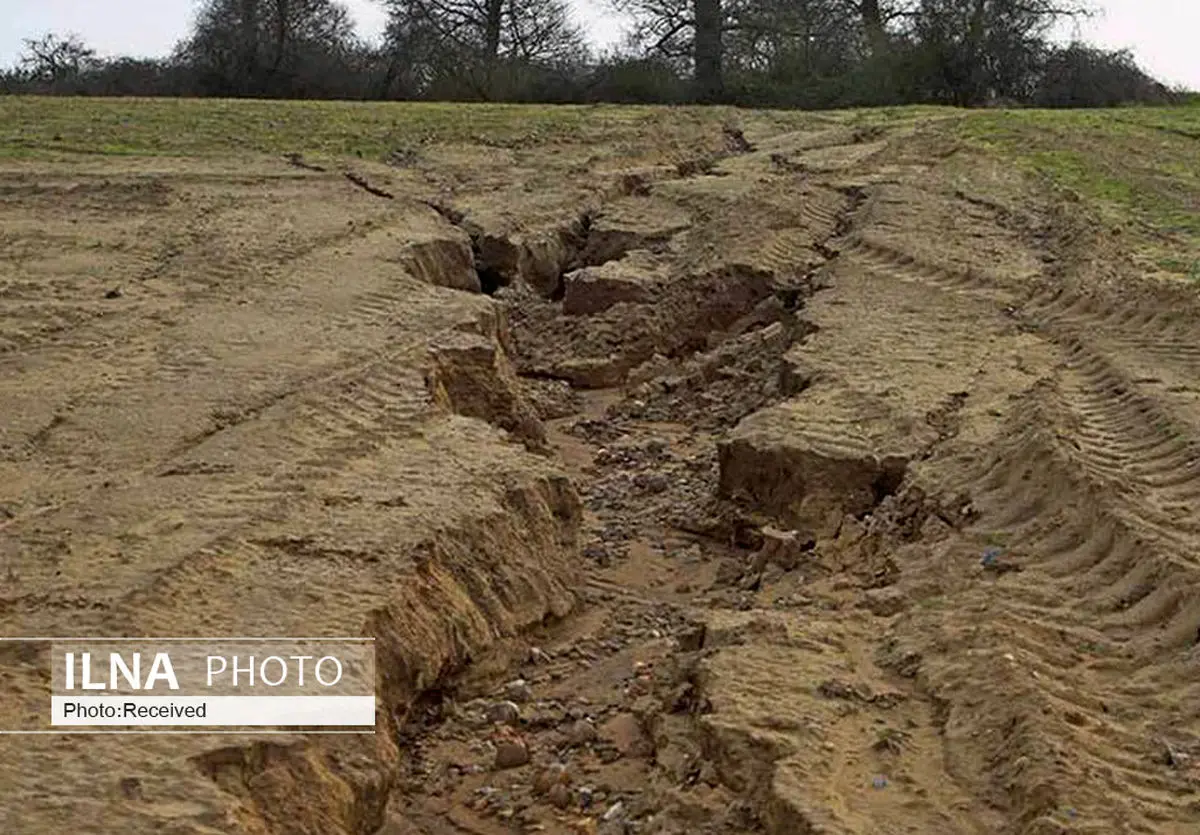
829,481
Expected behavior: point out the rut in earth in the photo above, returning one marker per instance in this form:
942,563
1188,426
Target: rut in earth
743,663
888,510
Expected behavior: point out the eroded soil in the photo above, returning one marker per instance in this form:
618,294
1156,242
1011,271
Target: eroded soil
847,483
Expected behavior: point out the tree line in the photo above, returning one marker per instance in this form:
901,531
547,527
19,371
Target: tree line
772,53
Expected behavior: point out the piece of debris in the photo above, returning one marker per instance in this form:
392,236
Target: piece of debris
519,691
1175,758
993,561
114,293
504,713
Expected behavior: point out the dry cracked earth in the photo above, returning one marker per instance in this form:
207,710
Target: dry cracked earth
750,480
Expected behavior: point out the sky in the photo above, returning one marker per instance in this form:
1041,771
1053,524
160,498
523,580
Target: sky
1161,33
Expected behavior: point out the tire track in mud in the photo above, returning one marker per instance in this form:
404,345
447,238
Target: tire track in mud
1053,685
1067,650
194,264
1095,491
307,432
1060,713
312,433
286,440
1031,670
173,361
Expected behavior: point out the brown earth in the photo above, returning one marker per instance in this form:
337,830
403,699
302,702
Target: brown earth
844,485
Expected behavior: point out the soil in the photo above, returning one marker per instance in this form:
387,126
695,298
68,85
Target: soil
815,483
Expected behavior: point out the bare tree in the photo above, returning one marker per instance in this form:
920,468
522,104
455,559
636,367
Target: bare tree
985,49
471,40
689,33
719,37
56,58
269,47
872,21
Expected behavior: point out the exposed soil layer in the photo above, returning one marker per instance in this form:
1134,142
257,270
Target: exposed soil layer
815,483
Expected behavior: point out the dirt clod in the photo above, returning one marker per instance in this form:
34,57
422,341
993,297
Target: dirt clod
511,753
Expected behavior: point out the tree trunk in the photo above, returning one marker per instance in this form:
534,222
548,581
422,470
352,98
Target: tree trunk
492,27
973,71
872,18
246,82
282,21
708,49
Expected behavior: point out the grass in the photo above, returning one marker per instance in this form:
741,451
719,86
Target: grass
37,126
1135,167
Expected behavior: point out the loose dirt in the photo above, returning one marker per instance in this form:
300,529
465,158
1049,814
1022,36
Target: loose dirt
829,481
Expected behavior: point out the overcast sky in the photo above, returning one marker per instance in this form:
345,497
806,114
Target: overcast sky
1161,33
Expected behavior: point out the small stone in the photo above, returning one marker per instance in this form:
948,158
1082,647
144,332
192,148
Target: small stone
559,796
114,293
581,733
785,549
504,713
131,787
586,826
519,691
548,778
651,482
546,718
625,734
614,811
586,798
597,553
511,754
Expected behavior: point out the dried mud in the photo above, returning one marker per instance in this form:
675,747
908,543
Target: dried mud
817,482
